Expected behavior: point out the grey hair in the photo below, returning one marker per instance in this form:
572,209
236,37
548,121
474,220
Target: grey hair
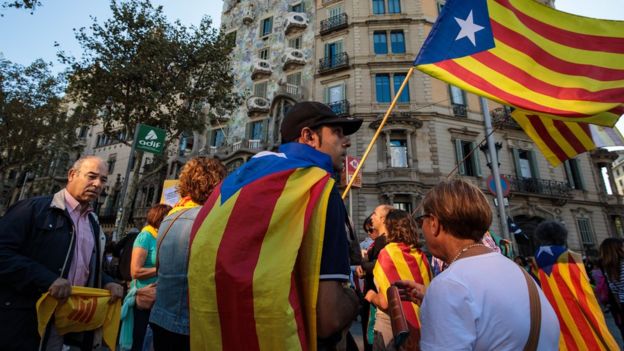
78,164
551,233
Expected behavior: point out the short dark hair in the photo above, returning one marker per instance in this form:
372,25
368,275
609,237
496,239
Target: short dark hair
156,214
368,224
551,233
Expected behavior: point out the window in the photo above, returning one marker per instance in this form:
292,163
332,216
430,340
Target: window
335,93
186,143
294,79
457,96
297,7
397,40
264,54
256,130
470,165
267,27
440,6
379,7
218,137
295,43
394,6
526,163
335,11
112,159
402,202
573,172
83,132
260,89
398,152
332,50
398,80
382,88
384,91
587,238
380,42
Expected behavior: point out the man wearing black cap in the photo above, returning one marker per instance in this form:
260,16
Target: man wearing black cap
288,200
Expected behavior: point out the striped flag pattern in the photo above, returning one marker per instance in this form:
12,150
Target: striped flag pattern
566,285
559,141
398,261
530,56
253,279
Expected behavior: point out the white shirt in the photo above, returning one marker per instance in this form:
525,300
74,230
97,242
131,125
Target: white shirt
482,303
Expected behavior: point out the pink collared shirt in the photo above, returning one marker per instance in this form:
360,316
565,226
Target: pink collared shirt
85,241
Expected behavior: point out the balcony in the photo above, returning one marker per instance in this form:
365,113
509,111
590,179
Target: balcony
334,63
295,20
501,119
292,91
459,110
261,68
549,188
334,23
293,57
247,144
257,104
341,108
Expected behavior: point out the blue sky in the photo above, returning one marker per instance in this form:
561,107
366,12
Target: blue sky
26,37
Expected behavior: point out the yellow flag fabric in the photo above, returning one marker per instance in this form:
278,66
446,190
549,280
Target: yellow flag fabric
86,309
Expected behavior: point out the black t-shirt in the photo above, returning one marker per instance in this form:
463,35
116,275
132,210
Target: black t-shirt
335,256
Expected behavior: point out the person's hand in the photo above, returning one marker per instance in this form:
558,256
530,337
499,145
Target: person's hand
60,289
370,295
360,272
411,291
116,291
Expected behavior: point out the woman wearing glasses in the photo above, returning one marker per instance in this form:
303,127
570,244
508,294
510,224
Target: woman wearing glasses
481,301
400,258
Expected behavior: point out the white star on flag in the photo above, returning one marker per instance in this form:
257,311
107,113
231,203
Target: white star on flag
468,28
545,249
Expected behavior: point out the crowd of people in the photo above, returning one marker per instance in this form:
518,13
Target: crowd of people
264,259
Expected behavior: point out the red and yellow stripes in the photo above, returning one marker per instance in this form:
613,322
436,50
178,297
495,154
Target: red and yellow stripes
398,261
243,290
582,322
546,61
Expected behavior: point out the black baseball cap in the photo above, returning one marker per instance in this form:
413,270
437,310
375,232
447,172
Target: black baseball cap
314,114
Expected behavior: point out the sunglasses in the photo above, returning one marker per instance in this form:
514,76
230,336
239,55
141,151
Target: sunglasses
419,220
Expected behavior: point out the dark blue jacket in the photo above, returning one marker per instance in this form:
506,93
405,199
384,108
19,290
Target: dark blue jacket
37,241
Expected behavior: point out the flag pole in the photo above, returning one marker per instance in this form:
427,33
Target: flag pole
381,125
495,172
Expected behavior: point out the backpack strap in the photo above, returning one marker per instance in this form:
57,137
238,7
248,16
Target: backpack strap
536,313
161,239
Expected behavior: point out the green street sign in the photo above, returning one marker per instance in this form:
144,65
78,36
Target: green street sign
150,139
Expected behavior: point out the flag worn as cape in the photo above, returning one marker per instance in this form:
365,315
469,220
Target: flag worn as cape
565,283
398,261
559,140
531,56
256,251
86,309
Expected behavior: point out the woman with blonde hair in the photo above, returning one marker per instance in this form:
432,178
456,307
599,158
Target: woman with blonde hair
401,254
170,315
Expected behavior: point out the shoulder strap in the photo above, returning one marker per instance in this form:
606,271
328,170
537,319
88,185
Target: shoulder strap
165,234
536,313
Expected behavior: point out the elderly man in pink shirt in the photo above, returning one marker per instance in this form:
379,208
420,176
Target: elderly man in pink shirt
49,244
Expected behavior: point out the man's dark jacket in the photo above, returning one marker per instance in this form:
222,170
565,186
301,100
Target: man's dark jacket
37,240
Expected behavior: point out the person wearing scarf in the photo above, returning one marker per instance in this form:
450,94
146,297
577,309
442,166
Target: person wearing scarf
143,271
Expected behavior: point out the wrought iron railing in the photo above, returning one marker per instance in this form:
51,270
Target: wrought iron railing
340,108
459,110
551,188
334,62
334,23
501,119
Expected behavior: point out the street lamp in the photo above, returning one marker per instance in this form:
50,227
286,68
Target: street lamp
485,149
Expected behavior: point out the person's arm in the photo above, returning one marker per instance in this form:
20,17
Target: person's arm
16,270
411,291
337,306
377,299
137,271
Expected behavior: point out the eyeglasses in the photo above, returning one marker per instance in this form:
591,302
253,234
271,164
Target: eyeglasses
419,220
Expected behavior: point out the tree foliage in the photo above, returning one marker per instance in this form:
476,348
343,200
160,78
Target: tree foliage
138,67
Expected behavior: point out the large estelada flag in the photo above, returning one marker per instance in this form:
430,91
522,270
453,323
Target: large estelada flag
559,140
565,283
398,261
530,56
255,256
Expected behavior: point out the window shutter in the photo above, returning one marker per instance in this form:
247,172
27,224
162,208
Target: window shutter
581,185
265,130
338,47
516,158
569,175
460,156
475,158
533,160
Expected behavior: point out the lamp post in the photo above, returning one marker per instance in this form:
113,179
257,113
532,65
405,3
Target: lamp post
485,149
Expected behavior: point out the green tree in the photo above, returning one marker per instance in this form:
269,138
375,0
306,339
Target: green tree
34,126
138,67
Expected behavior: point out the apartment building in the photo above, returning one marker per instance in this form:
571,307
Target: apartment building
354,55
